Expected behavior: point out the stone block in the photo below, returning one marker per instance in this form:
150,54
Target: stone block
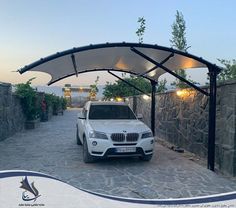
199,137
199,149
227,162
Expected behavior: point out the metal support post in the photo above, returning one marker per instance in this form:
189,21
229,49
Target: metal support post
153,106
212,120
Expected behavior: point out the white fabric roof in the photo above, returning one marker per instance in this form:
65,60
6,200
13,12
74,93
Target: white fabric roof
113,56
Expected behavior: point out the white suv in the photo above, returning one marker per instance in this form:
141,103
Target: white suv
110,129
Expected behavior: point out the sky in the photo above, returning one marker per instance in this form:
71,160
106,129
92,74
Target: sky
31,30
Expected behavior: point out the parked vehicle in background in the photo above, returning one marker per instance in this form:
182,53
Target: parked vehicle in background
110,129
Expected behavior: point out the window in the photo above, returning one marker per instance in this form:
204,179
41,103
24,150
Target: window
110,112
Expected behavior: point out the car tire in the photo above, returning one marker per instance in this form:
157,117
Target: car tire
146,157
77,136
86,156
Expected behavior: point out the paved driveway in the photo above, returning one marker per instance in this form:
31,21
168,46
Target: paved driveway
52,149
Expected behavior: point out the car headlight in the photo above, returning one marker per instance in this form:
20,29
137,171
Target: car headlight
147,134
97,135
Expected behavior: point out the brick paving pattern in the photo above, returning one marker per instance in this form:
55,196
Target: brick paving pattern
52,149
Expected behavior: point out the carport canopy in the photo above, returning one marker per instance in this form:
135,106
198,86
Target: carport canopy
115,57
146,60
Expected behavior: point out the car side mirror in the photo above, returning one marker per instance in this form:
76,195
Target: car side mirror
81,116
140,116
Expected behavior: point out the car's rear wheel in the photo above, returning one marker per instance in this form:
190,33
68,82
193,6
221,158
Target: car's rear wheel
77,136
86,156
146,157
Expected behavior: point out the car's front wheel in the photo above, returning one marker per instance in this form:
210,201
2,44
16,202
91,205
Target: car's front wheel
86,156
146,157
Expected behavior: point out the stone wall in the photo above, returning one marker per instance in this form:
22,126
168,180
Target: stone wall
184,122
226,128
11,115
142,107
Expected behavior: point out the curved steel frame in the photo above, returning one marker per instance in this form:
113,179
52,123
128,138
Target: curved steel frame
108,45
213,71
95,70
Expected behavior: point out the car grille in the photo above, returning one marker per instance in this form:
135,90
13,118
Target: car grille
118,137
121,137
132,137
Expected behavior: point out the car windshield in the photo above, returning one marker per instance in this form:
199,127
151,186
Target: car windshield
110,112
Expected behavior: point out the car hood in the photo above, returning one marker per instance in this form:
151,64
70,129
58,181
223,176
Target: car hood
118,126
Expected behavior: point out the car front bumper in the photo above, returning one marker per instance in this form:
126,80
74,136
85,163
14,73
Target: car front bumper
107,148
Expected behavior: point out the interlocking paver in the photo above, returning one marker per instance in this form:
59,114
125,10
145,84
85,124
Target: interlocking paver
52,149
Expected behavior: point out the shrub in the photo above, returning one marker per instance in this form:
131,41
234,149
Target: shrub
28,98
64,103
49,99
57,103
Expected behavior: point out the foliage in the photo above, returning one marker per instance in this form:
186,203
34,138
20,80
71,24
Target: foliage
56,102
64,103
140,31
179,42
28,98
49,99
31,103
56,105
161,87
181,85
121,89
94,89
229,70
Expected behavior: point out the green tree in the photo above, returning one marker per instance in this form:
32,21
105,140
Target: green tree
179,42
140,31
28,97
55,102
94,88
229,70
161,87
121,89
